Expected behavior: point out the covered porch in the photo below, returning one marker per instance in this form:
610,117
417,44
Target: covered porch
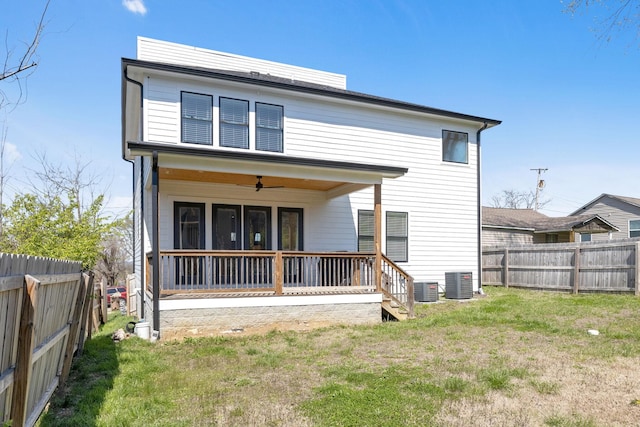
254,262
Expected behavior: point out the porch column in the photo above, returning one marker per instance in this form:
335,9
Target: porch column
156,242
377,233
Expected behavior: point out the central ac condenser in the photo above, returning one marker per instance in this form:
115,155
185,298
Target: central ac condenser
458,285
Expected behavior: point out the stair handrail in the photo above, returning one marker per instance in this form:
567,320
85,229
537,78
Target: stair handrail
398,286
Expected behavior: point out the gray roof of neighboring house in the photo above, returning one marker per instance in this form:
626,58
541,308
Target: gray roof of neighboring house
567,223
629,200
511,218
528,219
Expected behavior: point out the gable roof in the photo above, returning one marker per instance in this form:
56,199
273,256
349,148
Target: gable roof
628,200
511,218
567,223
267,80
530,220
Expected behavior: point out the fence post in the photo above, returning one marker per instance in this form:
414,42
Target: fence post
76,320
86,322
576,270
637,290
22,374
505,262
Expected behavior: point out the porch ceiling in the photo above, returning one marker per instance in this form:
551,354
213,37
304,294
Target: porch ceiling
246,179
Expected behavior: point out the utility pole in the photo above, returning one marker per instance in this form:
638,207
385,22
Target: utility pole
539,183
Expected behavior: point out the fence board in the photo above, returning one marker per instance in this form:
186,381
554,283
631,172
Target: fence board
579,267
40,306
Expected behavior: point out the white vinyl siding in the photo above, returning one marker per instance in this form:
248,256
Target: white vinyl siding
269,125
234,123
397,236
440,197
197,118
174,53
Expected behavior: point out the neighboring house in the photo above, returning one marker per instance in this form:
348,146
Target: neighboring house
504,227
266,193
623,212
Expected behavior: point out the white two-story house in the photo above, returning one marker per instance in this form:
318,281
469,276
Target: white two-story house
270,194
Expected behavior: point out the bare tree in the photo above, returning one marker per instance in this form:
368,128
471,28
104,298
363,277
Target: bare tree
514,199
114,261
619,16
75,180
18,66
16,71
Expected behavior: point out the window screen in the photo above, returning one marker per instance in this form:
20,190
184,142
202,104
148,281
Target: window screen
397,236
269,127
234,123
196,118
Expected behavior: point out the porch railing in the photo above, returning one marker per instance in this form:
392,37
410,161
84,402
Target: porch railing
275,272
397,285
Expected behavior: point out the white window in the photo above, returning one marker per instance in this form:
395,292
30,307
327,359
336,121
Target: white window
585,237
366,227
397,236
455,146
234,123
269,127
197,118
634,228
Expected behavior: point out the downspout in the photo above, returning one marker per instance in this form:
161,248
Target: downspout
155,244
133,189
480,291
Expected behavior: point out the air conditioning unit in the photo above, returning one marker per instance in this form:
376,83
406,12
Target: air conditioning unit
425,291
458,285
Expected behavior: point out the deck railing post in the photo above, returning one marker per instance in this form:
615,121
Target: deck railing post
279,273
377,234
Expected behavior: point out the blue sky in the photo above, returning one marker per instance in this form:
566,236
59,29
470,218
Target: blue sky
568,101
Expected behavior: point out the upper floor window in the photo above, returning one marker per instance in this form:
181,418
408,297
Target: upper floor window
197,118
634,228
234,123
455,146
269,127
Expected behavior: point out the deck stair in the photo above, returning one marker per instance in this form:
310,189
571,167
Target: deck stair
397,291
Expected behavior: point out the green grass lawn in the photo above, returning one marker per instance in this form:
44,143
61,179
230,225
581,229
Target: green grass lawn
511,358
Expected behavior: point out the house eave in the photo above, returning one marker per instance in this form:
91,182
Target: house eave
302,87
147,148
500,227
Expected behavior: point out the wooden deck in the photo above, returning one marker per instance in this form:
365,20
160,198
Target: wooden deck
188,274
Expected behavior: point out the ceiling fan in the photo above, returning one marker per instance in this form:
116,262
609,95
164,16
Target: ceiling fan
260,185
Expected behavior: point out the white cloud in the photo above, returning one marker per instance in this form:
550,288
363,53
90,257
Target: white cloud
135,6
11,153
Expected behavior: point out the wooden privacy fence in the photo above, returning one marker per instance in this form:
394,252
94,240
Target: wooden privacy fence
46,313
578,267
